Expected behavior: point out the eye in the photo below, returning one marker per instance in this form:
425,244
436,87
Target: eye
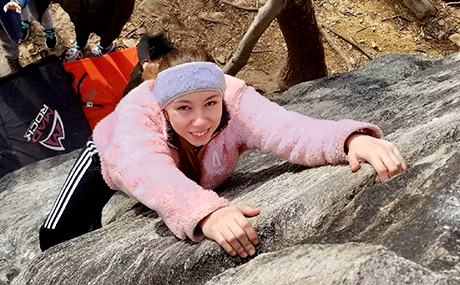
183,108
211,103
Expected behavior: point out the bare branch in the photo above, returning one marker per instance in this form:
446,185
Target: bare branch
261,22
131,32
326,36
350,41
212,20
254,9
401,16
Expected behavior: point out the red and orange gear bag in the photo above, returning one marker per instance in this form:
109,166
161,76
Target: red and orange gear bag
100,81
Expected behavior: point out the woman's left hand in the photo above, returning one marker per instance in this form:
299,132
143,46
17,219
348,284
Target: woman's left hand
383,155
12,5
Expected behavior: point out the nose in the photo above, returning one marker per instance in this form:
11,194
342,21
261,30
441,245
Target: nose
199,118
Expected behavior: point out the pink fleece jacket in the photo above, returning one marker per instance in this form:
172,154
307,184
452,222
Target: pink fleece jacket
136,158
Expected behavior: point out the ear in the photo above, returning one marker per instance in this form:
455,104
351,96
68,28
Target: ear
165,113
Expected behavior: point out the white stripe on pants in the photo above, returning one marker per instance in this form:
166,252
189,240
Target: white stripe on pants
79,169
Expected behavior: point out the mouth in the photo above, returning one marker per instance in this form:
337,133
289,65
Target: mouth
200,135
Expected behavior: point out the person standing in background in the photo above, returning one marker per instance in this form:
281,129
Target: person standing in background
105,18
10,31
149,49
29,12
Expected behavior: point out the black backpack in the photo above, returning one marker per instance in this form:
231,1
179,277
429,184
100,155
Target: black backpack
40,115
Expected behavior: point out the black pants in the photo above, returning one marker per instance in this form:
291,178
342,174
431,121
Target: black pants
77,209
82,36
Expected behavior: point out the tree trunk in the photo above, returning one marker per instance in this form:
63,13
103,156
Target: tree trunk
306,59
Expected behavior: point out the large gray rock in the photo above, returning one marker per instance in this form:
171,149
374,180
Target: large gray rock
26,196
415,216
329,264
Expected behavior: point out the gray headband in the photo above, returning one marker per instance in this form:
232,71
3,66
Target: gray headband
183,79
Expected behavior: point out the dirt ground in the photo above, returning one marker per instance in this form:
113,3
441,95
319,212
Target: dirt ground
378,26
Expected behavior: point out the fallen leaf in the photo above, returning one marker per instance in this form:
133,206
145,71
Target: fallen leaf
455,38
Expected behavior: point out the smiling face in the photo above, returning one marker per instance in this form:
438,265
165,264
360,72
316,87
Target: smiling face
195,116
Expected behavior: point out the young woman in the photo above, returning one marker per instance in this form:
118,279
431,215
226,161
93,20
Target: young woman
173,139
149,49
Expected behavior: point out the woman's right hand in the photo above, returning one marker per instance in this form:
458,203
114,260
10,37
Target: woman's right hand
230,228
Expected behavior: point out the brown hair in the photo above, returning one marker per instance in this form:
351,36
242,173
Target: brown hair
189,163
176,57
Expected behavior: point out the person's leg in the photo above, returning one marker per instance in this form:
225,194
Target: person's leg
112,28
81,35
104,47
81,44
47,17
78,207
25,22
105,44
25,14
46,23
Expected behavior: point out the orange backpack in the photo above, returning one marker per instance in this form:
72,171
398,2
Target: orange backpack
100,81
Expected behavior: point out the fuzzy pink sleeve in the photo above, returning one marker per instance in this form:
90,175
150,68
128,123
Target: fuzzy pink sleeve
298,138
137,160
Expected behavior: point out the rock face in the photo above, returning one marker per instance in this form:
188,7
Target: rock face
332,264
25,198
4,68
321,225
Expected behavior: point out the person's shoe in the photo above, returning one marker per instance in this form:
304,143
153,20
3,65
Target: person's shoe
25,26
100,51
50,38
14,64
75,53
